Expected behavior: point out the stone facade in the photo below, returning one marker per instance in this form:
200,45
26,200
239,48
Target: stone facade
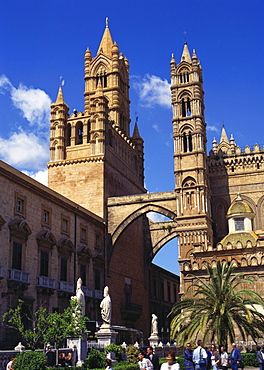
47,242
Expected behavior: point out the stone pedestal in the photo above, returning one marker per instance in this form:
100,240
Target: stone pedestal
154,340
106,335
80,346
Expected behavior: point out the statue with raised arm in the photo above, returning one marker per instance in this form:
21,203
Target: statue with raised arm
106,307
154,325
80,296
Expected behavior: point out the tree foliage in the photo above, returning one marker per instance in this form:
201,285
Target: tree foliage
216,309
30,361
47,327
15,318
132,354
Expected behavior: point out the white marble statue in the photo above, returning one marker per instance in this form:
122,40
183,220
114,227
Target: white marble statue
154,325
80,295
106,307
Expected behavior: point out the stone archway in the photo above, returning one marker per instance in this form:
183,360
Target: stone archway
122,211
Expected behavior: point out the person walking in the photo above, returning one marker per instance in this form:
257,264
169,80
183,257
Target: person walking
235,357
153,358
215,357
188,357
224,358
170,364
260,358
200,356
144,363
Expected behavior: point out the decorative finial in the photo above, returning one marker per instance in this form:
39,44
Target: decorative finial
106,22
136,117
185,39
62,82
238,197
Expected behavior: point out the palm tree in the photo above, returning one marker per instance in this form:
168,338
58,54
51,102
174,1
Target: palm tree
218,308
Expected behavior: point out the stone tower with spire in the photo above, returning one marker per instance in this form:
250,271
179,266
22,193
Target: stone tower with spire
92,154
190,160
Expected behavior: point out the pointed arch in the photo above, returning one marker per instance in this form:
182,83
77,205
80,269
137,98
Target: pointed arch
136,214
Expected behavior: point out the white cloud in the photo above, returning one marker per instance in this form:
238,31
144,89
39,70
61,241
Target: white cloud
156,127
213,128
24,150
156,217
27,147
153,90
40,176
5,84
33,103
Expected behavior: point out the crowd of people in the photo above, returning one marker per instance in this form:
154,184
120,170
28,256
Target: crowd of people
201,358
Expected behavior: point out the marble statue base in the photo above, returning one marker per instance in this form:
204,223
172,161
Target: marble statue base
106,335
154,340
80,346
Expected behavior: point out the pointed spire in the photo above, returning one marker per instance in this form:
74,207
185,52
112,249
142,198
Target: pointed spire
224,135
136,131
186,54
99,88
60,97
106,42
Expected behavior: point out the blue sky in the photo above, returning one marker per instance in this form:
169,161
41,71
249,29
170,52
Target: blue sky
42,41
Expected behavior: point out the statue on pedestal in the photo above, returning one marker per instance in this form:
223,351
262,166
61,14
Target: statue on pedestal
106,308
154,325
80,296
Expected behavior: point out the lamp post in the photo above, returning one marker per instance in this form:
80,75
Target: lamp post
162,335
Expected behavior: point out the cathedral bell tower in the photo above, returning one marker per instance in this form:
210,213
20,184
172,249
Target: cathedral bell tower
92,155
190,168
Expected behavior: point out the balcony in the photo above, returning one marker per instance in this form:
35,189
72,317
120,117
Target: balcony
65,286
98,294
45,282
19,276
131,311
88,292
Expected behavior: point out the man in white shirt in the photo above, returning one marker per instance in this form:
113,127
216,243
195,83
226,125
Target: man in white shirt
200,356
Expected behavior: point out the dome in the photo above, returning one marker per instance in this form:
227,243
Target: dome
239,208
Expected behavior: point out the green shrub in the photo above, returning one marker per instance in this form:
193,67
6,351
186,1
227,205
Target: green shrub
95,360
30,360
127,367
249,359
132,354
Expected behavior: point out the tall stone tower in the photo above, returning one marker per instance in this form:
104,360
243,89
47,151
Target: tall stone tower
92,155
190,168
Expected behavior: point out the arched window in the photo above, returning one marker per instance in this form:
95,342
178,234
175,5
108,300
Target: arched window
190,142
88,131
186,107
79,133
102,77
68,134
187,142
